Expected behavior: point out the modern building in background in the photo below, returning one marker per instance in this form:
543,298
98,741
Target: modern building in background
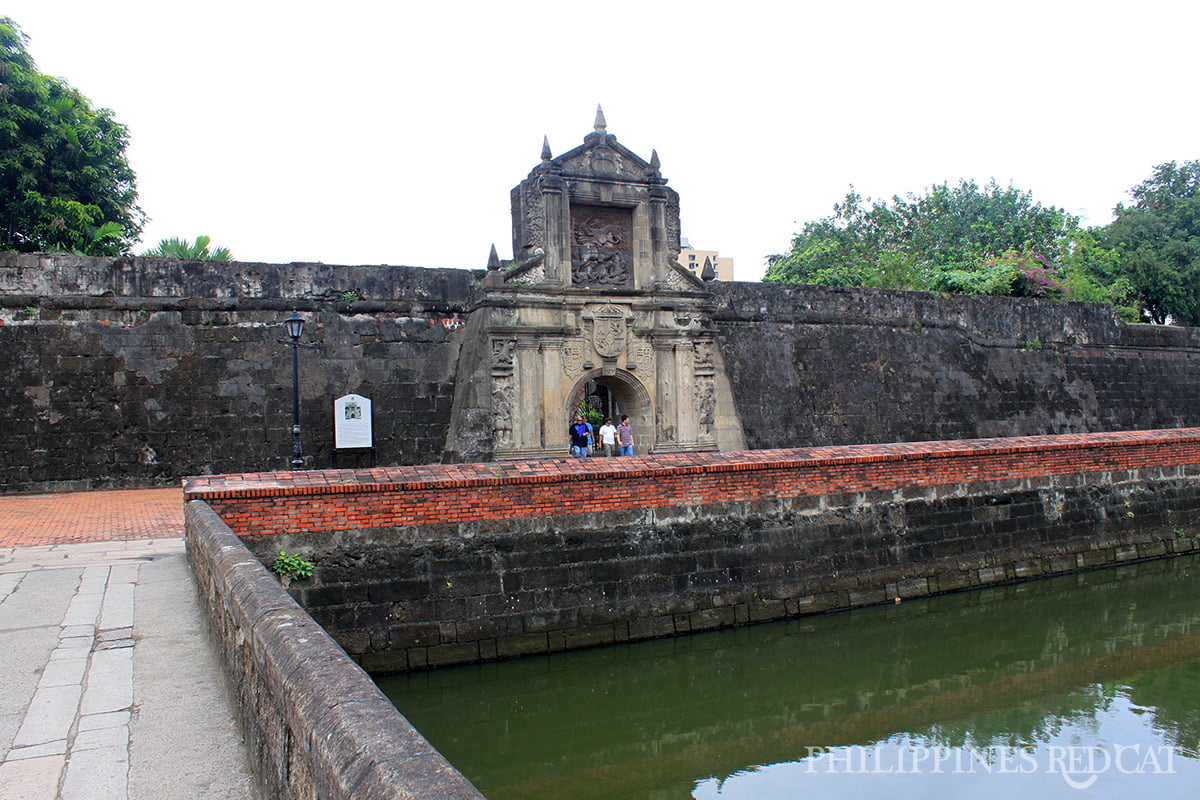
694,260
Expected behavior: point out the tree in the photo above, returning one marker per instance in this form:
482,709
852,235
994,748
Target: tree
957,239
64,180
189,251
842,250
962,239
1158,243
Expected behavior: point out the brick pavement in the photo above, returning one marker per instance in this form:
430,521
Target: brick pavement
75,517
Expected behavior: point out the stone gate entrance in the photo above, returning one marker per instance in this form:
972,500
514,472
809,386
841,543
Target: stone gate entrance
595,303
613,396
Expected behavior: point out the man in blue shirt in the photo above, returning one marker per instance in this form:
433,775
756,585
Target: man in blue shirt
580,438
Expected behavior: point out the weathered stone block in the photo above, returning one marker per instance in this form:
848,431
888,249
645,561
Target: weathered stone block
651,627
759,610
445,654
866,597
820,602
384,662
706,619
1151,549
521,645
951,581
1094,558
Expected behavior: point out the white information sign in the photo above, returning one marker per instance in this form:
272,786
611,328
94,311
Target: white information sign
352,422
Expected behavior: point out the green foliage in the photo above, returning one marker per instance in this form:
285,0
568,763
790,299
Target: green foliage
995,276
1092,274
189,251
840,250
589,409
960,238
1157,241
292,567
350,296
64,182
998,241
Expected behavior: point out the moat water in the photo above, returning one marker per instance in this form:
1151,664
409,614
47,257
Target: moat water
1084,686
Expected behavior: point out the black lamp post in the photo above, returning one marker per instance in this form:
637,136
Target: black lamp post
295,329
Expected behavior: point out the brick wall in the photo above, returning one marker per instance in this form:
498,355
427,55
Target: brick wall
423,566
333,500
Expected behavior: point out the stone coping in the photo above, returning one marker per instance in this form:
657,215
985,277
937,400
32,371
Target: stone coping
408,478
316,725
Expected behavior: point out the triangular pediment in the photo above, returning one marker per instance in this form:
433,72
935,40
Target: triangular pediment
602,156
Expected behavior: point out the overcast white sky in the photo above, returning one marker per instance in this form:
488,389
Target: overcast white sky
362,132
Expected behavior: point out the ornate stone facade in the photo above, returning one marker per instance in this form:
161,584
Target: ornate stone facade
596,310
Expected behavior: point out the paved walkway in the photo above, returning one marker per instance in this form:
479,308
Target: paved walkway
109,686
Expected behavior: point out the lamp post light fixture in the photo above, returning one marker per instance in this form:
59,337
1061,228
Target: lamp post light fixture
295,329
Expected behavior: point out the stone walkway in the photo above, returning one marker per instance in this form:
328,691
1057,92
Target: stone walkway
110,687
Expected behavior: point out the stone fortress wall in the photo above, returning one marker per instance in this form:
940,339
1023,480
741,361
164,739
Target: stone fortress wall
812,365
136,371
133,372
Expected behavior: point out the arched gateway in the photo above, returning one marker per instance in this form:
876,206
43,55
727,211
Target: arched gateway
594,304
613,396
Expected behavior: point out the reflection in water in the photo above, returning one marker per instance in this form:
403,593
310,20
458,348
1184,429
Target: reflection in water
1050,673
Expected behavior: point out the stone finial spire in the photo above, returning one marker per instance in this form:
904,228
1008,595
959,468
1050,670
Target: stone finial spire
655,164
546,155
708,273
600,125
493,259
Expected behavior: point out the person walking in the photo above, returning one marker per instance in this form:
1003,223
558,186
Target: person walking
580,438
625,437
608,438
591,447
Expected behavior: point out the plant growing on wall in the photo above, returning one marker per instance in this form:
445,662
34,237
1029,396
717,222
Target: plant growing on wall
290,567
175,247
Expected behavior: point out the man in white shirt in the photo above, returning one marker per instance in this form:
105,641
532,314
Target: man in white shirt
608,438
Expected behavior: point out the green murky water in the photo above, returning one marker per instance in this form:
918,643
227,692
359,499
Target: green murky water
1081,686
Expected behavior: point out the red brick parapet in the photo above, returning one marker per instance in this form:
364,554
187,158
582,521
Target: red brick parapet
330,500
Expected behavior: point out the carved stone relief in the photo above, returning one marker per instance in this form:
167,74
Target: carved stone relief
676,281
531,276
502,352
535,215
608,331
502,404
601,246
673,226
641,354
606,161
572,356
705,397
602,161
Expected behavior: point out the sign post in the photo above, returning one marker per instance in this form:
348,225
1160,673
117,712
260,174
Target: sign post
352,425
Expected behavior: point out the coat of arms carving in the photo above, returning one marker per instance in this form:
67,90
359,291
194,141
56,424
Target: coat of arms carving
608,331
